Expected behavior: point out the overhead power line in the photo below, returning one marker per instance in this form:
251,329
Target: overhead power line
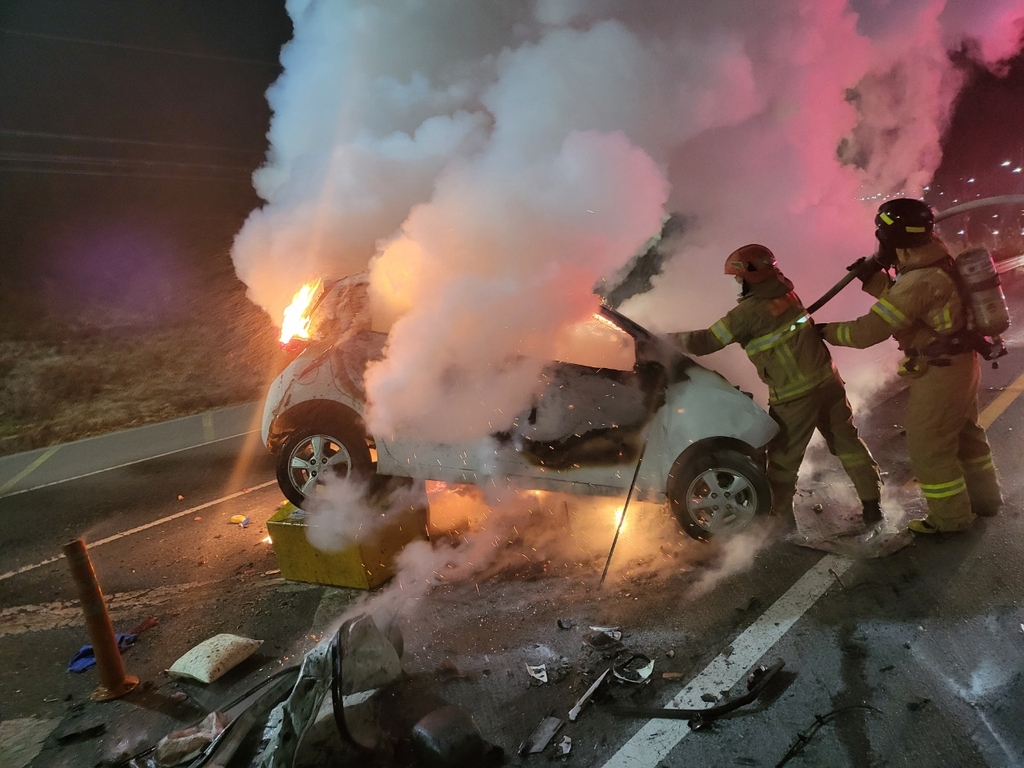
108,140
36,157
142,48
123,174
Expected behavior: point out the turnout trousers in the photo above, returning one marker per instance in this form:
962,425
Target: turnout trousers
826,409
949,452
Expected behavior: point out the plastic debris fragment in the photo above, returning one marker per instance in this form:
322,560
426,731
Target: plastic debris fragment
539,672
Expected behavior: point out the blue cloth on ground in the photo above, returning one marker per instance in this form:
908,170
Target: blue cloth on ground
86,657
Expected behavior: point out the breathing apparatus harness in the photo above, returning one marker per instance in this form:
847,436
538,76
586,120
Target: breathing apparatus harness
966,339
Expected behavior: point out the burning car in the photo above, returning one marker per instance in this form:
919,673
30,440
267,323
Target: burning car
617,407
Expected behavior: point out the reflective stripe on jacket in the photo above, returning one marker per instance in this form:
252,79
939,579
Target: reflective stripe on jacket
778,336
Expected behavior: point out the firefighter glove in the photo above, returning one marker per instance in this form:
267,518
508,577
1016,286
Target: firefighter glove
827,330
865,268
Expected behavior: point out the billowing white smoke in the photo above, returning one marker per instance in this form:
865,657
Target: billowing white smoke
489,161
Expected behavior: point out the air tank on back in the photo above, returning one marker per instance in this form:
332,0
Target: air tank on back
989,314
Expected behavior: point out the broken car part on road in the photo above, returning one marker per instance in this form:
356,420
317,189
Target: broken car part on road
698,718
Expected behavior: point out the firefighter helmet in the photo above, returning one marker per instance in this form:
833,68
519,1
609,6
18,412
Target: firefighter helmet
904,223
754,263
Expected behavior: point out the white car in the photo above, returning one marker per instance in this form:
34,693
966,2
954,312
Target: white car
648,415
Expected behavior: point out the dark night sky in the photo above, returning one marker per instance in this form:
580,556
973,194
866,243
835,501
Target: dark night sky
129,130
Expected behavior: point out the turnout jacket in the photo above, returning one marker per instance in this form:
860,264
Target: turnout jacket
921,305
774,329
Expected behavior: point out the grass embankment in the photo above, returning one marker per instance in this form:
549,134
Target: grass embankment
64,379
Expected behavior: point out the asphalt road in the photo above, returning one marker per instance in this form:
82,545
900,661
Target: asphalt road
909,659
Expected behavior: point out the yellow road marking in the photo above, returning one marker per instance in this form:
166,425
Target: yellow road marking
208,431
29,469
994,409
1001,403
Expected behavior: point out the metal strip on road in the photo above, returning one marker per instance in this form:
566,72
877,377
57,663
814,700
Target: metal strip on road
161,521
652,743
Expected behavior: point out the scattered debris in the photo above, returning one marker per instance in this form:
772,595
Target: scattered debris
575,711
238,519
541,736
918,704
180,497
836,575
179,746
671,675
564,745
358,659
888,668
819,720
710,698
817,509
601,640
702,718
143,625
613,632
671,652
538,672
636,669
569,624
213,657
86,656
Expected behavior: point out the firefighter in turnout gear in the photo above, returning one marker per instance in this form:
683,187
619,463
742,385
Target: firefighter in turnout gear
805,391
924,311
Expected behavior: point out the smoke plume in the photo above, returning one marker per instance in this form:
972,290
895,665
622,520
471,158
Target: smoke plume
488,162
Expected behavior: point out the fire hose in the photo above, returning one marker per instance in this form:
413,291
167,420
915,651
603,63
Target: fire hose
948,213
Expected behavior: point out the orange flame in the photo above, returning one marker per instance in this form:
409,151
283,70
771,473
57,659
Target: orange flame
295,324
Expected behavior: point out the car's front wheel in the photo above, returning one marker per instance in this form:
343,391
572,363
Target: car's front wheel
312,454
717,493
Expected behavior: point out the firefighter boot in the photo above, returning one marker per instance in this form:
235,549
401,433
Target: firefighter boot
871,520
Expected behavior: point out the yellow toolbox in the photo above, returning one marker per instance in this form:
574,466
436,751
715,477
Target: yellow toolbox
363,565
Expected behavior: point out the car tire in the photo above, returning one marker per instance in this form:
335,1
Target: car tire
717,493
310,452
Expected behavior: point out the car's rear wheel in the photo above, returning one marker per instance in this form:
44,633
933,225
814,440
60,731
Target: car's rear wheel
717,493
312,454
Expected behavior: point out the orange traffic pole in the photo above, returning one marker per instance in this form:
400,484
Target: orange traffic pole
114,682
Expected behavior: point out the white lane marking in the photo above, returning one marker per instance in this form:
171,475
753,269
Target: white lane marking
28,470
161,521
652,743
119,466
